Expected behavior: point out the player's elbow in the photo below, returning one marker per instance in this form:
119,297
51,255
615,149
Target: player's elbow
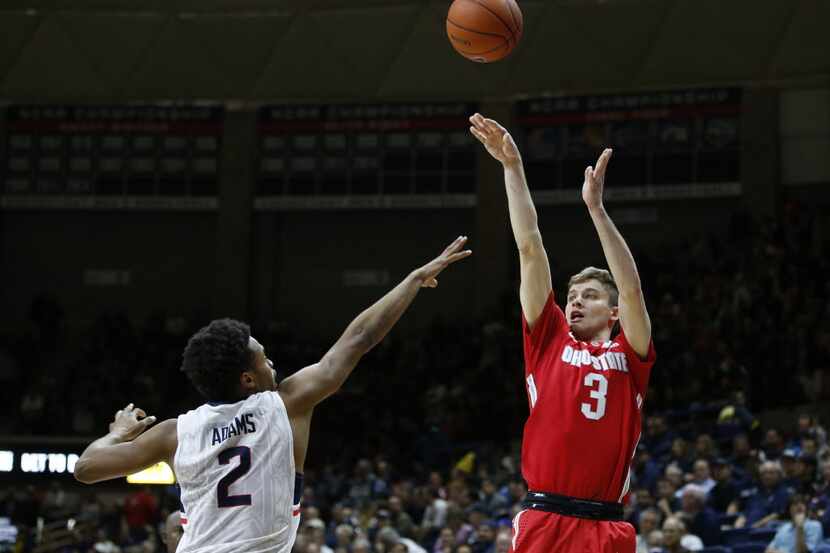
83,472
530,245
631,293
359,342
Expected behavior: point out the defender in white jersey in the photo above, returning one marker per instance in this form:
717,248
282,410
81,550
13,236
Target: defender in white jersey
239,458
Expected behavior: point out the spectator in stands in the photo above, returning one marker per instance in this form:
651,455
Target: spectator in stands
808,427
445,541
788,467
658,438
674,474
503,542
655,541
399,518
484,540
807,473
705,447
315,531
490,499
344,534
821,494
762,504
389,538
640,501
648,522
744,458
646,468
676,539
141,510
723,497
702,475
361,545
773,444
810,447
362,486
104,543
383,476
517,489
435,518
699,519
800,533
667,500
680,456
172,530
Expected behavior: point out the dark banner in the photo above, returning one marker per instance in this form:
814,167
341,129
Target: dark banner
629,107
665,138
116,119
364,117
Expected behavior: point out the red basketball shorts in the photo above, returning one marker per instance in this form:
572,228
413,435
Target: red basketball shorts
543,532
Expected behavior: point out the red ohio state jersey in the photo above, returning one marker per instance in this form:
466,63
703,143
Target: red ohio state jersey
585,410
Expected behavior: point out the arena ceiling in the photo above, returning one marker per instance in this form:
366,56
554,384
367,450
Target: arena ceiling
258,50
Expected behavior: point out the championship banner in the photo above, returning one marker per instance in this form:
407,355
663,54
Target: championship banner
111,151
679,104
115,119
660,139
366,149
364,117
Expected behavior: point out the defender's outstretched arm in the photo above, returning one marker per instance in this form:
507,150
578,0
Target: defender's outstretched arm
311,385
127,448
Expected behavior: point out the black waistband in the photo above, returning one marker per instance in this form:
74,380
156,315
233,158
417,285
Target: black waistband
572,506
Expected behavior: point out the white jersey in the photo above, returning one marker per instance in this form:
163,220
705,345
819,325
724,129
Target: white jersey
235,466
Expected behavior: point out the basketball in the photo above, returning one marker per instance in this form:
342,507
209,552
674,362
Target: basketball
484,30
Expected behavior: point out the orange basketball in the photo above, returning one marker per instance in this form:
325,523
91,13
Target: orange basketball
484,30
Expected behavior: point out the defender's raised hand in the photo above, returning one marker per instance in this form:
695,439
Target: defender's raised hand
496,139
129,423
594,185
452,253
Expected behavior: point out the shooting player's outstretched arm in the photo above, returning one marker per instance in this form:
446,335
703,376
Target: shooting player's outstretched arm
311,385
535,269
634,317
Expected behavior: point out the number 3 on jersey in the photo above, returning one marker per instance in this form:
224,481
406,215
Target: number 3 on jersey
588,410
598,394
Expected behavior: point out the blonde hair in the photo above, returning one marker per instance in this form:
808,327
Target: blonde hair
603,277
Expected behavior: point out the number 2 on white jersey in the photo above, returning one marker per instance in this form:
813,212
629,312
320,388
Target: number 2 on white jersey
597,394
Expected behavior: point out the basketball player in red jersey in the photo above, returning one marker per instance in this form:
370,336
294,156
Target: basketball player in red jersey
585,387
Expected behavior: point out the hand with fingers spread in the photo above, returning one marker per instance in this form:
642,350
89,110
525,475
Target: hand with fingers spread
594,185
452,253
129,423
496,139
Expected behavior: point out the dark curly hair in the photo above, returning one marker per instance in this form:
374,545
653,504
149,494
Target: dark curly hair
215,357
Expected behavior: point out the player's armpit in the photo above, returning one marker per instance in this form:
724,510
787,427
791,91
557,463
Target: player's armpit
300,429
635,322
536,283
106,462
